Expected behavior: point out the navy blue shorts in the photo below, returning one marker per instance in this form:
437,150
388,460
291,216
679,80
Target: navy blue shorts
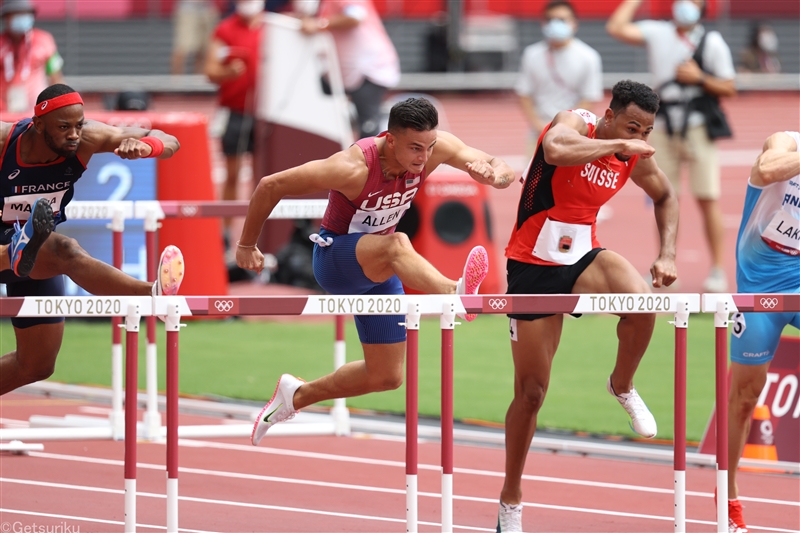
16,286
338,272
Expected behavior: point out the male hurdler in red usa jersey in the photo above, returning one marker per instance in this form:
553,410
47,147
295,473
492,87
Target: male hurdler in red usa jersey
357,251
580,163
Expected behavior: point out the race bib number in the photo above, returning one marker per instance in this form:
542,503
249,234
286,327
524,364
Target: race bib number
783,233
739,325
563,243
377,221
19,207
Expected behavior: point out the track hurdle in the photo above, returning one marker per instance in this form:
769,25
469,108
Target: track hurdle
722,305
131,308
152,212
447,306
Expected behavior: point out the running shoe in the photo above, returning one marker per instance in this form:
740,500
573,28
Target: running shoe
509,518
475,271
735,518
642,421
279,409
170,272
716,281
28,239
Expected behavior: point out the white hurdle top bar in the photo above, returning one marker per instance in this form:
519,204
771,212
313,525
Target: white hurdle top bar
138,210
431,304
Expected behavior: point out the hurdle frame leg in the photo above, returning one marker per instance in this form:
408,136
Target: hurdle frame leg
447,322
721,369
132,320
412,409
339,412
116,417
681,324
173,327
152,417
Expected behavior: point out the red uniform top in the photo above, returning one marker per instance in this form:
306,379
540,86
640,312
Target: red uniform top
241,42
557,213
381,204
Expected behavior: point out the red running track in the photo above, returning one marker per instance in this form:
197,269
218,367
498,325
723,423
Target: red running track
350,484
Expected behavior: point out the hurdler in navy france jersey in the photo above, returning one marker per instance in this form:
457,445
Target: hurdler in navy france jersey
21,184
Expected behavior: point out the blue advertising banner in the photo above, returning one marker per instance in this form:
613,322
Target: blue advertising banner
110,178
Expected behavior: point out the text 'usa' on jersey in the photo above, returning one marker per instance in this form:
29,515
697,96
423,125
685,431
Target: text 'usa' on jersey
21,184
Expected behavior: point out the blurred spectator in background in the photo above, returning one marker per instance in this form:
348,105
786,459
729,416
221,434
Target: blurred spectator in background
761,55
367,57
558,73
690,70
232,63
193,22
29,59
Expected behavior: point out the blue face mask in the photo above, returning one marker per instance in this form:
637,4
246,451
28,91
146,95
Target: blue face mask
21,23
685,13
557,31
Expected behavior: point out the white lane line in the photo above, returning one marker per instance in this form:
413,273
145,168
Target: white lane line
492,501
230,503
488,473
84,519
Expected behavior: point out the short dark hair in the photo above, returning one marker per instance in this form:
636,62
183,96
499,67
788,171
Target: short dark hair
59,89
415,113
628,92
559,3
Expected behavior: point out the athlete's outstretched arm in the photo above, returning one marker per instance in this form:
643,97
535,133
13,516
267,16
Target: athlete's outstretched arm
779,160
125,142
655,183
567,144
481,166
345,171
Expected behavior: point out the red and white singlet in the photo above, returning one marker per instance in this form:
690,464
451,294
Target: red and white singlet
557,213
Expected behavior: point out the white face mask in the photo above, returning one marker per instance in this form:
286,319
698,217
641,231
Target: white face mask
21,23
249,8
557,31
685,13
768,41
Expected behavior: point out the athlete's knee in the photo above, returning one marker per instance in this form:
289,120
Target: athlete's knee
742,402
532,392
66,248
398,244
37,368
386,380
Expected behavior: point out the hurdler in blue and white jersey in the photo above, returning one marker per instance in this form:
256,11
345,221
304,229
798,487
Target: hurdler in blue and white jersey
768,246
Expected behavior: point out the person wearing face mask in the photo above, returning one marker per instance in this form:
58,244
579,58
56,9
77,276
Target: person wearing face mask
689,66
762,53
560,72
29,58
232,63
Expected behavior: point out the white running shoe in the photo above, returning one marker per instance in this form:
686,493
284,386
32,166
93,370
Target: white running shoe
716,281
642,420
509,518
475,271
279,409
